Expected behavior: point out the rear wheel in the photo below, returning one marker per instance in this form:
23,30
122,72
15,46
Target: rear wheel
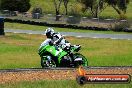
83,61
46,63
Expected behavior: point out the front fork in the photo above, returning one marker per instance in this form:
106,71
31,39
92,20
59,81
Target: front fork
46,61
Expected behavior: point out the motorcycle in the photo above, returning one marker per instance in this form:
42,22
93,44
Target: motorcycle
53,56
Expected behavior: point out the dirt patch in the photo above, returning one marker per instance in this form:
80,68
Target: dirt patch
9,77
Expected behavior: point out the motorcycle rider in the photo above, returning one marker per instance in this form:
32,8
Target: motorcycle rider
55,38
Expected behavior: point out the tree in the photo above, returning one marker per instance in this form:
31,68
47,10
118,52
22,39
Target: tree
15,5
120,6
95,6
23,5
57,4
0,4
65,5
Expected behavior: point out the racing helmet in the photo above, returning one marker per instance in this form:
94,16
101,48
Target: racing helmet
49,32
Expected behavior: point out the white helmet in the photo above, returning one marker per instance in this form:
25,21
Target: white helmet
49,32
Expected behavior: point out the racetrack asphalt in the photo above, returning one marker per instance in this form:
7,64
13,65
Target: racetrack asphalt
76,34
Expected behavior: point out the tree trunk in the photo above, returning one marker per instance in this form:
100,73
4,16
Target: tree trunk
57,15
65,4
121,14
117,10
66,10
57,8
96,13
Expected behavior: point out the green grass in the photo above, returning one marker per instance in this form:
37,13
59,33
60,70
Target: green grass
17,51
16,26
61,84
21,51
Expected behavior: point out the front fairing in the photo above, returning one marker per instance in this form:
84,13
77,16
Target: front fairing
57,52
47,48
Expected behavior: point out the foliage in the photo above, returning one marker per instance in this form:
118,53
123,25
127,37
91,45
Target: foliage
75,12
97,6
122,16
75,9
119,5
94,6
37,10
15,5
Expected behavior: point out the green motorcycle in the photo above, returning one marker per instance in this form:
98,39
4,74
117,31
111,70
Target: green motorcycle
53,56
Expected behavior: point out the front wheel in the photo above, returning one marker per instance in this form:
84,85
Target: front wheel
79,59
46,63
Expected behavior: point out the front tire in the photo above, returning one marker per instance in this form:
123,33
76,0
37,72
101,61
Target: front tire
46,63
